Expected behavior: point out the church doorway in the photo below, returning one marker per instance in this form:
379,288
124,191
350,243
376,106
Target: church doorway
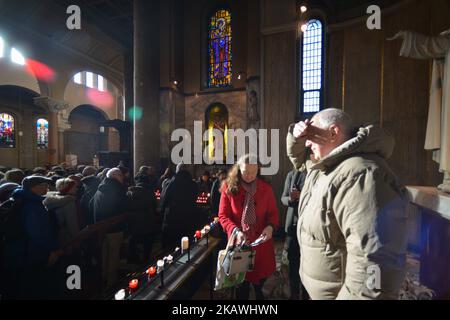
86,137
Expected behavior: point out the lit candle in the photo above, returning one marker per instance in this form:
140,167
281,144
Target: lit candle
169,259
133,284
198,234
203,232
120,295
184,243
207,228
160,265
151,271
216,219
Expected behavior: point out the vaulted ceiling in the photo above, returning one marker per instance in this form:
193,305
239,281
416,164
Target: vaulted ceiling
109,23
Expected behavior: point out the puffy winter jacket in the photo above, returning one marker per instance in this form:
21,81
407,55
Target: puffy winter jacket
352,224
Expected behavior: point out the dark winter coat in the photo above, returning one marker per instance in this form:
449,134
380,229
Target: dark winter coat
143,216
89,188
297,179
178,203
109,201
215,197
40,230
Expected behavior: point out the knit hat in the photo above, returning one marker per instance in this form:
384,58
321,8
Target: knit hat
15,175
32,181
89,171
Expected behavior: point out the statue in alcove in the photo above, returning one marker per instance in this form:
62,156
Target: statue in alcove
253,118
419,46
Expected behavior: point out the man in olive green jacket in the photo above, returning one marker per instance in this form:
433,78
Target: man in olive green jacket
352,226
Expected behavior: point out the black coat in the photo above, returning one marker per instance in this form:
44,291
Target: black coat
89,188
297,179
109,201
143,216
178,203
215,197
41,233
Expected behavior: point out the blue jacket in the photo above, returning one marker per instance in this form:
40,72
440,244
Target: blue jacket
41,234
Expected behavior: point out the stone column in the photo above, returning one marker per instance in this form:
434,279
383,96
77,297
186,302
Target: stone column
146,83
128,86
53,106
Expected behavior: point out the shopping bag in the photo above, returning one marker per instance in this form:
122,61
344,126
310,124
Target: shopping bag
238,259
231,278
222,280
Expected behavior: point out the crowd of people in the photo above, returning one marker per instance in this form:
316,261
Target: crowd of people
346,230
45,211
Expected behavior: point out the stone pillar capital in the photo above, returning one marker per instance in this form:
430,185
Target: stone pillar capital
51,104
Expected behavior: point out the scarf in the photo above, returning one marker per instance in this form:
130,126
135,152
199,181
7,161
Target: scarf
249,212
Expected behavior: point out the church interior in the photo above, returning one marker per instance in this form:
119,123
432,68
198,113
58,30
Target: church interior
108,84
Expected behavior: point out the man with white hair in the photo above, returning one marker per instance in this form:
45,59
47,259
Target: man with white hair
352,222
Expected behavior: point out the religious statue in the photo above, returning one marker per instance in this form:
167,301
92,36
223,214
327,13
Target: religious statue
253,118
419,46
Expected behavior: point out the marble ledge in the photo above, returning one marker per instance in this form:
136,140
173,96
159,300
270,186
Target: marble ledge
430,198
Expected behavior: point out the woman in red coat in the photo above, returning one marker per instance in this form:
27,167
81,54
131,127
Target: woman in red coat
248,204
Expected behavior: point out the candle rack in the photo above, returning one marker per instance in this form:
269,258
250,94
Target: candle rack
149,277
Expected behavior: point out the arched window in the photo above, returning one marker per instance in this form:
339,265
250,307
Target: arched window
7,132
220,49
216,117
311,57
91,80
42,134
17,57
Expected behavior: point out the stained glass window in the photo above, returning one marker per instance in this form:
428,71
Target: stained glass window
7,139
42,134
220,49
312,66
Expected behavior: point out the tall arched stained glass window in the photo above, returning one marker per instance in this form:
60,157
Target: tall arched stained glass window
42,134
312,67
220,49
7,133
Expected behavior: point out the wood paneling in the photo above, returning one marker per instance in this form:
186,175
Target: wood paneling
278,12
280,96
362,74
335,65
382,87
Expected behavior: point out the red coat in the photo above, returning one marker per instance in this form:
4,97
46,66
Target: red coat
230,216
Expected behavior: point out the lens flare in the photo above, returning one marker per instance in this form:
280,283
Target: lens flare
100,99
40,70
135,113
